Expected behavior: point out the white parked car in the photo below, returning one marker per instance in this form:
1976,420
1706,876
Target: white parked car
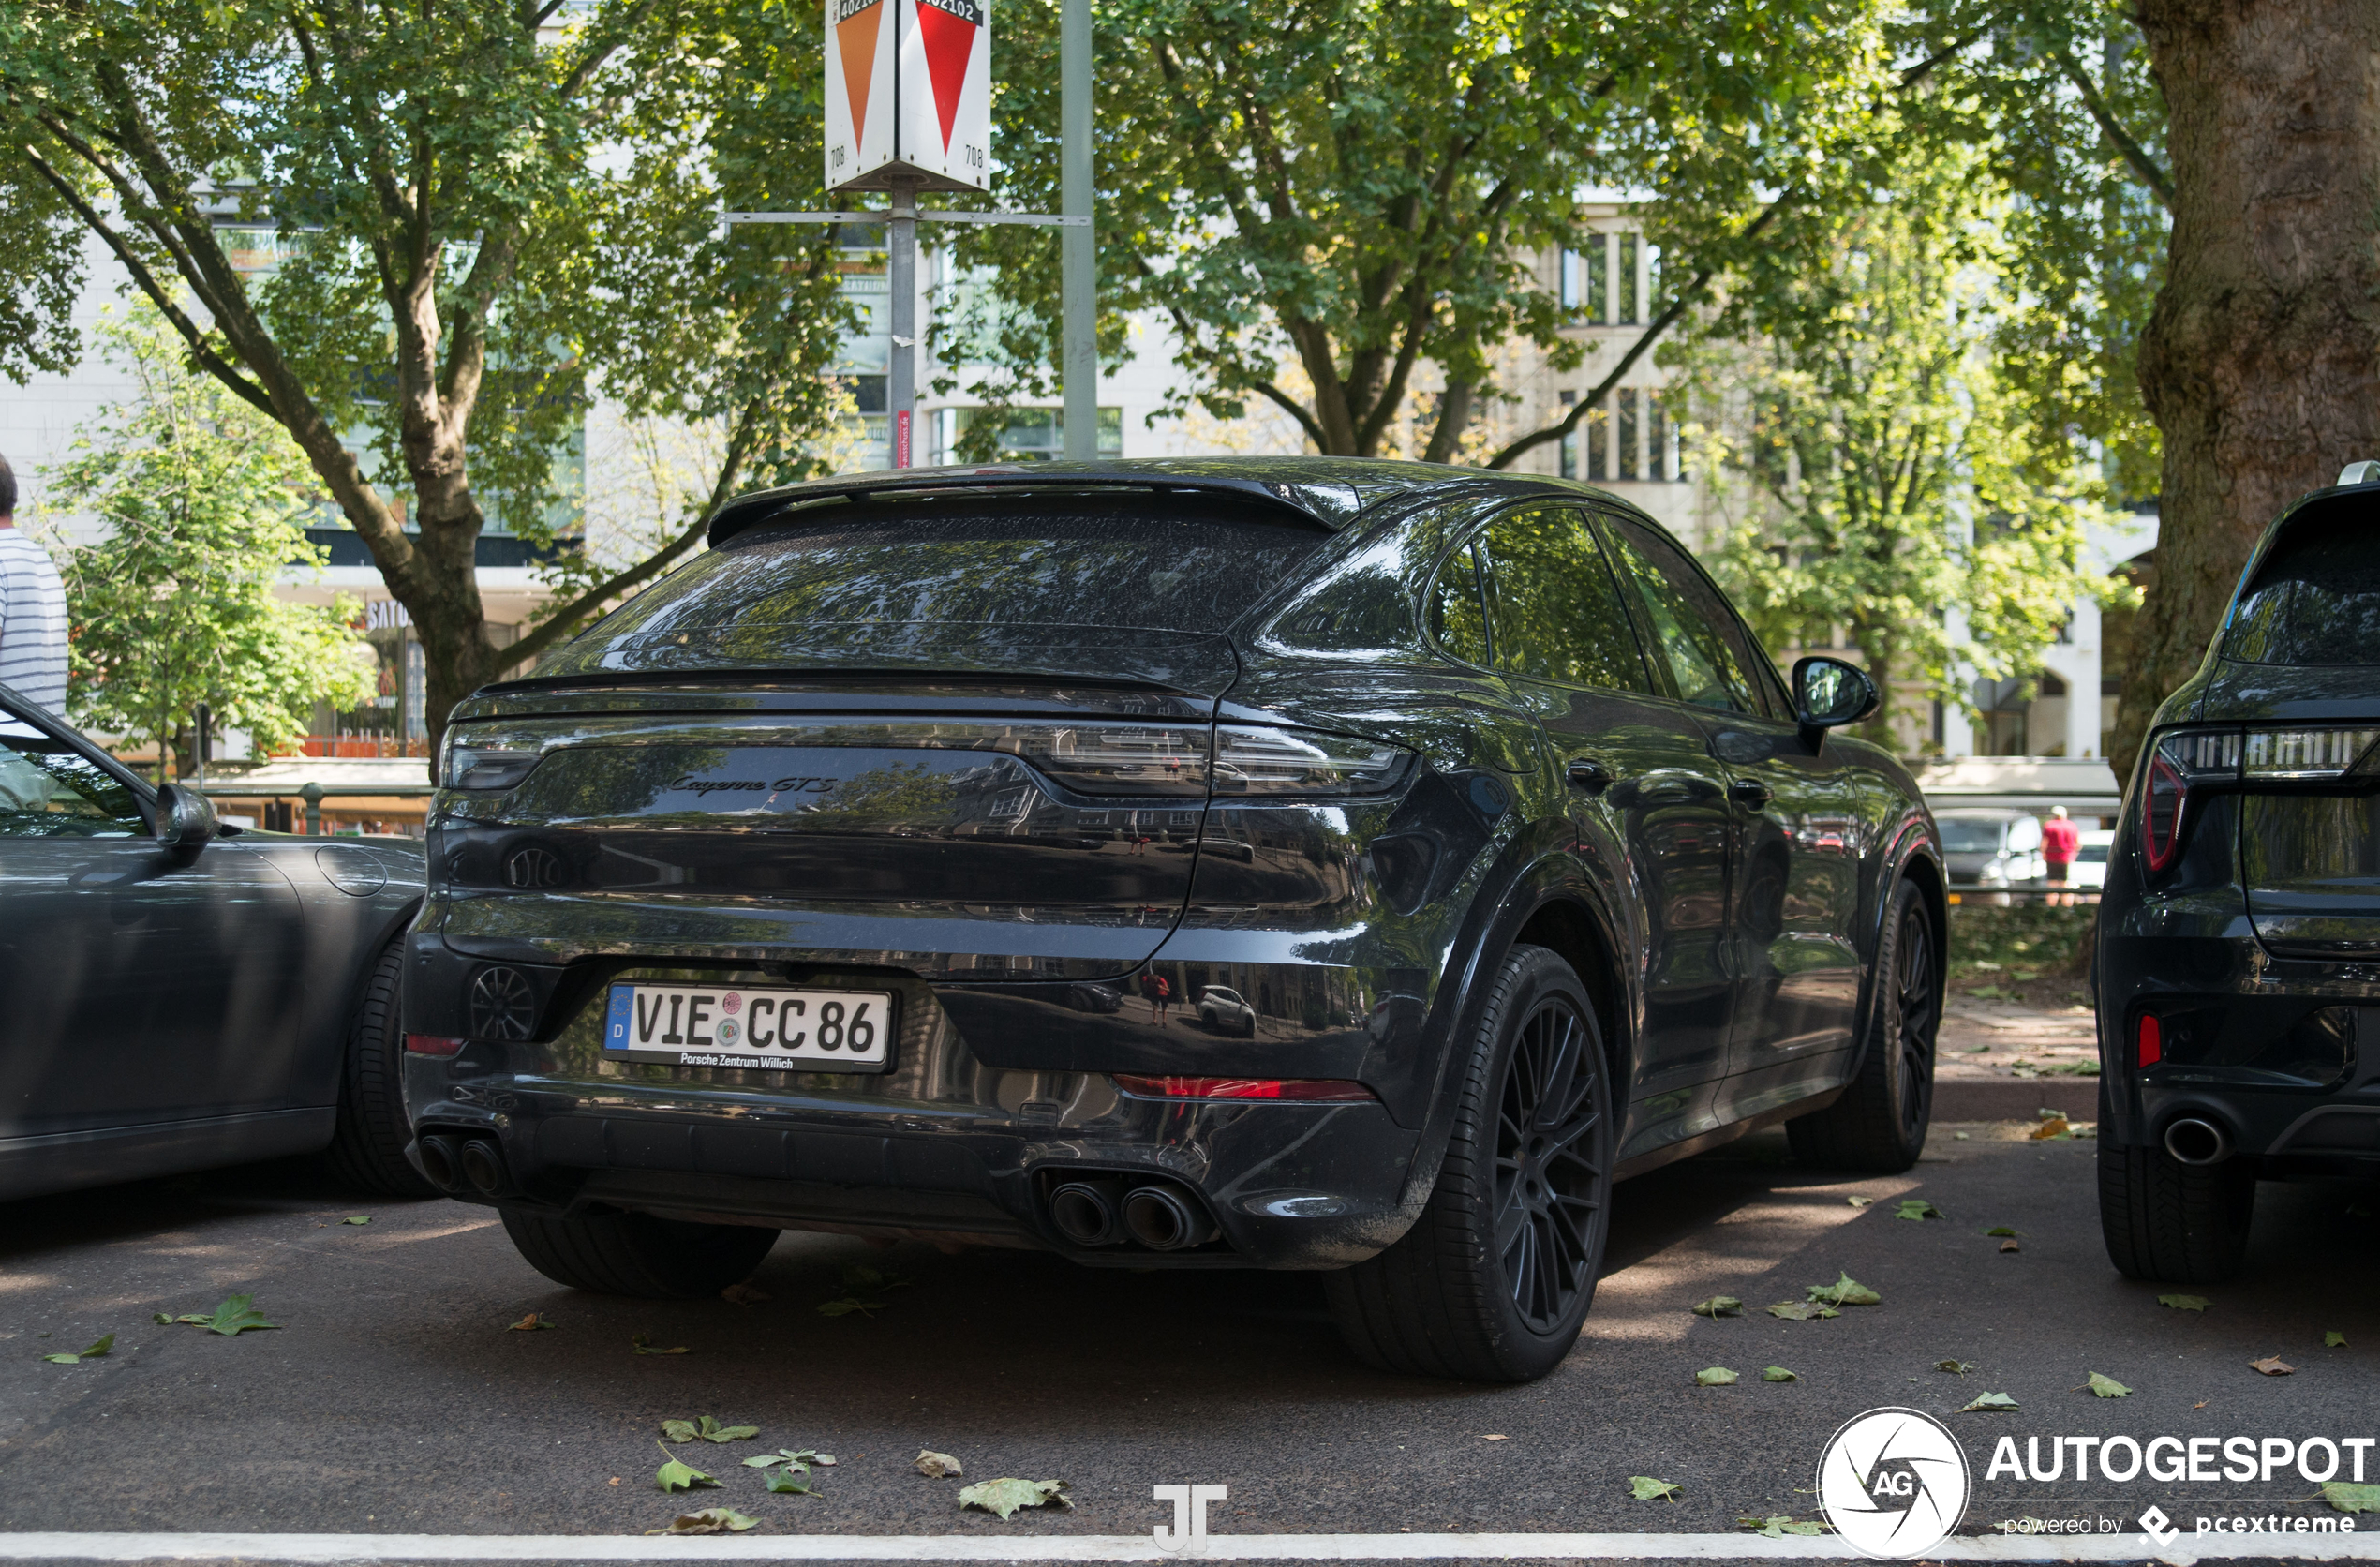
2090,872
1224,1011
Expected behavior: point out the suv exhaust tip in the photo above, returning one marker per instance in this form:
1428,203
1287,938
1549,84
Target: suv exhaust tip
439,1156
2193,1140
483,1164
1085,1212
1165,1220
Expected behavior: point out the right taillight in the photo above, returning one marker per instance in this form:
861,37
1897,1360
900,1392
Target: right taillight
2148,1042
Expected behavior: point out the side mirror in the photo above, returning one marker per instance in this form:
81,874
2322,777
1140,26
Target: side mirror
185,819
1829,694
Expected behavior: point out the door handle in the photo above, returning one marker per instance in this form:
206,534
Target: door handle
1588,775
1751,792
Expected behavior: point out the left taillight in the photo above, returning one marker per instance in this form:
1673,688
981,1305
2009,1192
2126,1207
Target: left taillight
2190,762
1298,1090
431,1044
2180,764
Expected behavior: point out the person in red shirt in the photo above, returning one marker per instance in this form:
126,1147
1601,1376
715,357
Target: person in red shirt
2060,841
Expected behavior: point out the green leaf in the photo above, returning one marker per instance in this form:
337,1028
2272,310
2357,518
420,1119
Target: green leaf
2183,1303
848,1304
1917,1207
711,1430
678,1430
160,1317
796,1481
1005,1496
1778,1526
1845,1291
357,1218
643,1343
2334,1339
675,1476
1643,1487
1779,1374
1719,1305
797,1457
235,1316
64,1360
1959,1366
2107,1387
105,1343
1801,1311
2348,1497
1715,1376
1987,1403
2001,1230
710,1520
1859,1201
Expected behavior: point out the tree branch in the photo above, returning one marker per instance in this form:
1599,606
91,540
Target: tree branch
2143,165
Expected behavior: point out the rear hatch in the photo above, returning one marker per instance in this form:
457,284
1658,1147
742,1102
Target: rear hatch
969,737
2302,668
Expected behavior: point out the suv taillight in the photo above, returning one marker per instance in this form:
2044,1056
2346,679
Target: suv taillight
2180,764
2194,761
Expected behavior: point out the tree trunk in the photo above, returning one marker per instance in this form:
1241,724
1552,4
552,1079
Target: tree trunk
2261,362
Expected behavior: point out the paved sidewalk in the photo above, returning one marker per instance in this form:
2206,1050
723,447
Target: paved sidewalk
2003,1060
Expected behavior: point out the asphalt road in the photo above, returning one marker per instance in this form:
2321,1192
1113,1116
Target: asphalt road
391,1397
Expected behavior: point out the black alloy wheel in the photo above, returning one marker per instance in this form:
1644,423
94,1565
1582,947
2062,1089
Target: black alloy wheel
1917,1008
1549,1208
1495,1279
1879,1124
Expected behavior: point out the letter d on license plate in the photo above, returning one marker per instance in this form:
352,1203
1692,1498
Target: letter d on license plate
714,1025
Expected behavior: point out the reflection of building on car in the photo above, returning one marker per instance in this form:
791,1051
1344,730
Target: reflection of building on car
1223,1010
2241,920
2090,873
183,993
1991,848
1498,859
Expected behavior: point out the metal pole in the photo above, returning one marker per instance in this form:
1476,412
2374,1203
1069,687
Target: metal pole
312,795
901,380
1080,355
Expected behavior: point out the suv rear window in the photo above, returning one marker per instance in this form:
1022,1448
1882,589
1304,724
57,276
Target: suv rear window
1058,560
2316,597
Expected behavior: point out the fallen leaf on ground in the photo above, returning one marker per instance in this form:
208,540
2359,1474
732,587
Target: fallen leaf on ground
1959,1137
1645,1488
1005,1496
2348,1497
2009,1246
1719,1305
2272,1365
1779,1374
235,1316
357,1218
711,1430
675,1476
1960,1366
530,1323
2054,1127
937,1466
643,1344
848,1304
1778,1527
1493,1436
859,1276
1917,1207
1999,1229
793,1457
612,1481
792,1480
1845,1291
2107,1387
160,1317
1859,1201
1990,1402
2183,1303
106,1342
2334,1340
743,1295
64,1360
1714,1375
710,1520
1800,1312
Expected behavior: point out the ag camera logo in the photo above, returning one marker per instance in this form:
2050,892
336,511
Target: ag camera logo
1893,1483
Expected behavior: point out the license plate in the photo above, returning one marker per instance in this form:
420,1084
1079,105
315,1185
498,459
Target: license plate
713,1026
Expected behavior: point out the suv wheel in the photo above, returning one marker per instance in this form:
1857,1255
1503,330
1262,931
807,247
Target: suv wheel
636,1254
367,1142
1879,1124
2172,1222
1494,1281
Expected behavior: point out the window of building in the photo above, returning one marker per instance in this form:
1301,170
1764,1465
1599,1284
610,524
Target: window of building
1599,442
1629,448
1029,435
1570,463
1628,302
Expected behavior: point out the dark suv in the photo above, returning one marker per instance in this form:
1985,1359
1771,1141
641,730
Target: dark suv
2240,928
768,903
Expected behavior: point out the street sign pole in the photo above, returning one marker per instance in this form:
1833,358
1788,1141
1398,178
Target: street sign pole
1080,349
901,275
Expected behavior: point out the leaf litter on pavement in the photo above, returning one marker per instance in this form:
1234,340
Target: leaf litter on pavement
1958,1367
2183,1303
106,1342
2334,1339
1845,1291
706,1430
937,1466
530,1323
1645,1488
789,1468
1777,1527
2107,1387
1719,1305
2272,1365
643,1343
1800,1312
1917,1207
710,1520
1989,1403
859,1280
1779,1374
235,1316
2348,1497
1717,1376
677,1476
1005,1496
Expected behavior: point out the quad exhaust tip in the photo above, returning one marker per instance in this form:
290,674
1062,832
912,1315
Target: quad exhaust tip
437,1155
1105,1210
1164,1218
1087,1212
2195,1140
464,1164
482,1166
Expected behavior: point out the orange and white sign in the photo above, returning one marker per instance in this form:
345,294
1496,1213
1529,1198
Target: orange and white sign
909,93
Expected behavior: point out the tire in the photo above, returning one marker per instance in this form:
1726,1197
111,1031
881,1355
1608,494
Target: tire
1879,1124
2172,1222
638,1254
1495,1279
368,1143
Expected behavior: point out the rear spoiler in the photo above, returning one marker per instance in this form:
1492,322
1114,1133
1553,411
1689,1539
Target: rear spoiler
1331,503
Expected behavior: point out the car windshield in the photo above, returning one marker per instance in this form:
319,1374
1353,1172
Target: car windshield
2316,599
1970,834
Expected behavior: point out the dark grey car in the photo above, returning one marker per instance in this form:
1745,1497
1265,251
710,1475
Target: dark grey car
184,995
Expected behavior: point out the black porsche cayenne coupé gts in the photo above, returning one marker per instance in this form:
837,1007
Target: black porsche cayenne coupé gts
875,872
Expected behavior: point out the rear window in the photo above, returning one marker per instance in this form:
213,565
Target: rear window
2316,599
1140,562
1967,835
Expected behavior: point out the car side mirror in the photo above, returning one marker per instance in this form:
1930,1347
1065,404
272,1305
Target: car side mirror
185,819
1829,694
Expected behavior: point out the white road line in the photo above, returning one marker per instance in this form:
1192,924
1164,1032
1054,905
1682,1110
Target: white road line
1140,1548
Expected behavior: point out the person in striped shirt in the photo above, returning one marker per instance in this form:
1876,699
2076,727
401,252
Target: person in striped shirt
33,610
